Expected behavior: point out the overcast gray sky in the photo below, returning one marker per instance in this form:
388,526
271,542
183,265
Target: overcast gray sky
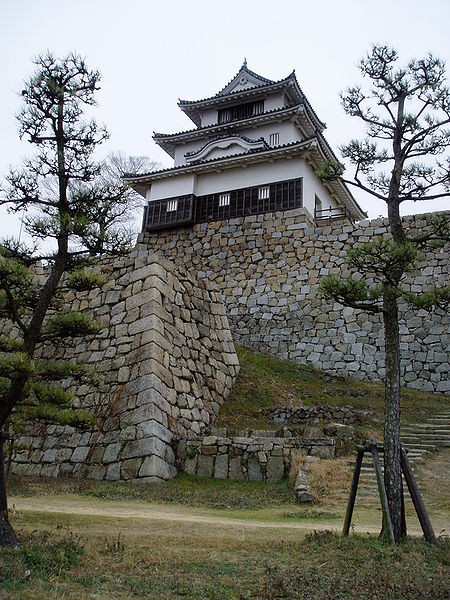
151,53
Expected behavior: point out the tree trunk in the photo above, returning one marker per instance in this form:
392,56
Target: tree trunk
7,535
392,465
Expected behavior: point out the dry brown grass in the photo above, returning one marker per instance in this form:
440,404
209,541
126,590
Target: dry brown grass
328,479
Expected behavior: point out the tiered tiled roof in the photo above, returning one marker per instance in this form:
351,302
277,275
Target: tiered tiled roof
168,141
223,97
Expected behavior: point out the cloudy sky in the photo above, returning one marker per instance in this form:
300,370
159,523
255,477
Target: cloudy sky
151,53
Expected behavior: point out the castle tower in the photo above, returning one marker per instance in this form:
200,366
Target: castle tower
255,149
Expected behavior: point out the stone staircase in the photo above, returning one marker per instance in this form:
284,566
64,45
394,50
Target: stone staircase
420,439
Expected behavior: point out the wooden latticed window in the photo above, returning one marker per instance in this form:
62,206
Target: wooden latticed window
224,199
263,193
274,139
172,205
241,111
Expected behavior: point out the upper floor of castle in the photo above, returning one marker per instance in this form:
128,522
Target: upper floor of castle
255,148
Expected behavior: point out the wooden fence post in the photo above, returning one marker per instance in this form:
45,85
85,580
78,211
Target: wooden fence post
417,499
353,490
387,523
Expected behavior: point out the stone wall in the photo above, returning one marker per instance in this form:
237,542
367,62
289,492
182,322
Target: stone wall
269,266
347,415
248,455
167,362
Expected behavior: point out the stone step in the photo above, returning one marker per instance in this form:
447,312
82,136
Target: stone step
411,441
421,446
418,441
430,434
425,434
427,426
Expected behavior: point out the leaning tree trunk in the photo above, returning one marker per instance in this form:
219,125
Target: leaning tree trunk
392,465
7,535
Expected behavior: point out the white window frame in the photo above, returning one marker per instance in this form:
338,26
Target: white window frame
172,205
274,139
264,192
224,200
317,204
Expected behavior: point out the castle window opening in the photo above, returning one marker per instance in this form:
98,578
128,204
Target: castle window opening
264,193
224,200
172,205
274,139
241,111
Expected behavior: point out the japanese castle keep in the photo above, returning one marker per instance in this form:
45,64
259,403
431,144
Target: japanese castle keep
255,148
235,238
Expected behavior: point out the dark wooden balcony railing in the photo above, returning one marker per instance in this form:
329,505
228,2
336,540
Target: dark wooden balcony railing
330,214
157,215
283,195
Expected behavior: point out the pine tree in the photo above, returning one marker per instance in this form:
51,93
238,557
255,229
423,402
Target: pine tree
404,156
74,213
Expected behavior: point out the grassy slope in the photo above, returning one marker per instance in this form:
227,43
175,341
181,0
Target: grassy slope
266,381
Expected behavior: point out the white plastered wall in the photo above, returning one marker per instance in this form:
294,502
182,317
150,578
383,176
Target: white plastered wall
179,185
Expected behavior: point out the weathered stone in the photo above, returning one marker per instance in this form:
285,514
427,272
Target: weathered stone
143,447
323,451
302,495
112,452
113,472
190,465
235,471
154,466
49,456
205,466
254,470
79,454
274,469
130,468
221,467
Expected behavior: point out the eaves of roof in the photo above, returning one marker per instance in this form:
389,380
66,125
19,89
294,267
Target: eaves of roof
266,85
191,108
234,124
153,175
168,141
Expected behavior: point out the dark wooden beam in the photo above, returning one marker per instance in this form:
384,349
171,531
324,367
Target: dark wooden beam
416,497
387,523
353,490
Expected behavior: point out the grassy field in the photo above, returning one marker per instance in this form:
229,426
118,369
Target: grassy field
211,539
266,382
73,556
